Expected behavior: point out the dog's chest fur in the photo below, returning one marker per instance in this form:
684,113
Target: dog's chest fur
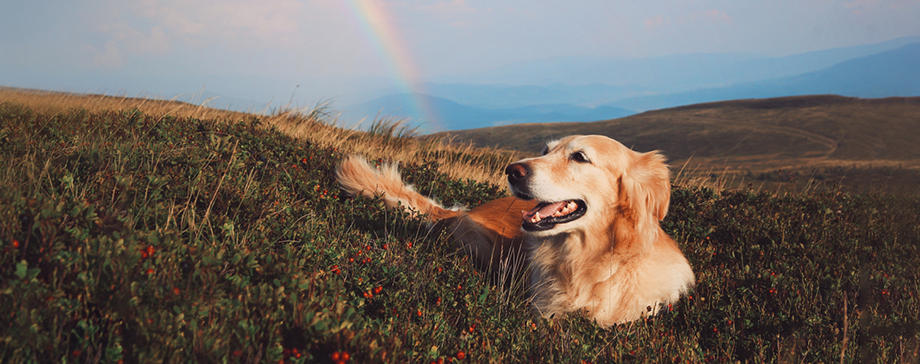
610,286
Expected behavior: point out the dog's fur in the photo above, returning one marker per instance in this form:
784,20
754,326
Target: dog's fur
612,260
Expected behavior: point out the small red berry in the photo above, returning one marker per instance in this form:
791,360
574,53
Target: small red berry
335,356
149,250
409,245
237,353
149,270
15,244
378,289
461,355
418,313
345,356
176,291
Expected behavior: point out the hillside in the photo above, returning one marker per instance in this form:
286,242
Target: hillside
127,237
749,136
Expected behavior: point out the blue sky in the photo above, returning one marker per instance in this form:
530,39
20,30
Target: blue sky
163,47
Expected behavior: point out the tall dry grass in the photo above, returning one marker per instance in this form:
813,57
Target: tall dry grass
385,139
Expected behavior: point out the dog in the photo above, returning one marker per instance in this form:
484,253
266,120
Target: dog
586,213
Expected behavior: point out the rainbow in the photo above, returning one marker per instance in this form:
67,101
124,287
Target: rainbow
379,27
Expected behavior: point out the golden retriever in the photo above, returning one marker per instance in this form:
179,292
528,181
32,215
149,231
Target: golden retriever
586,212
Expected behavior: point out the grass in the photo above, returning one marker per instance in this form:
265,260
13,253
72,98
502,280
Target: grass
138,237
386,138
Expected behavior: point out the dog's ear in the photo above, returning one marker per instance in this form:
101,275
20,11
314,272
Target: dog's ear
645,188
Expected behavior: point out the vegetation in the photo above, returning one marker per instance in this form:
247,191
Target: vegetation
138,237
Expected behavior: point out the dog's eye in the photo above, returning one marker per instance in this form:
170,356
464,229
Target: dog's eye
580,157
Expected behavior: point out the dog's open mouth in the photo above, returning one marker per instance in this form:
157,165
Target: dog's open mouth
547,215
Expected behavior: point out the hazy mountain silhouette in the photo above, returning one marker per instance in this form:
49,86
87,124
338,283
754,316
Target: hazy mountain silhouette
889,73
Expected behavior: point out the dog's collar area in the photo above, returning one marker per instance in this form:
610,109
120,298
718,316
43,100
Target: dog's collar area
547,215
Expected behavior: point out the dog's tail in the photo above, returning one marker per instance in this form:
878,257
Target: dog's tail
359,178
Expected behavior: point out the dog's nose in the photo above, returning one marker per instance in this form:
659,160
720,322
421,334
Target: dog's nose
516,172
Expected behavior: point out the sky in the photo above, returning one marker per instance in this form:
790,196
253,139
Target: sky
324,49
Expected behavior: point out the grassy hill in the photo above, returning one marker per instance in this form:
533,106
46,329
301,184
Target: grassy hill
129,236
807,136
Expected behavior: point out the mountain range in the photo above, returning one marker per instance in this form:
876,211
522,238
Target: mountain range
616,88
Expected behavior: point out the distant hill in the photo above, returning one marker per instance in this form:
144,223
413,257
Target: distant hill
890,73
750,134
452,115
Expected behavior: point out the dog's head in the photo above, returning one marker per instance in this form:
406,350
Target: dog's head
583,180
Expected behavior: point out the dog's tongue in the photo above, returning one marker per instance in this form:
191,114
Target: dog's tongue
544,210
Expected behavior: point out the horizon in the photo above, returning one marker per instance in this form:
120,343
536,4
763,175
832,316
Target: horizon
302,53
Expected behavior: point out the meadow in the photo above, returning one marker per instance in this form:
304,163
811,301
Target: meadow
130,233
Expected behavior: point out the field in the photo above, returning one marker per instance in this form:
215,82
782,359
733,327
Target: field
791,144
150,236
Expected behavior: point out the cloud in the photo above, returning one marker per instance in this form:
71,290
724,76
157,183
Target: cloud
710,16
714,15
155,27
655,21
269,21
